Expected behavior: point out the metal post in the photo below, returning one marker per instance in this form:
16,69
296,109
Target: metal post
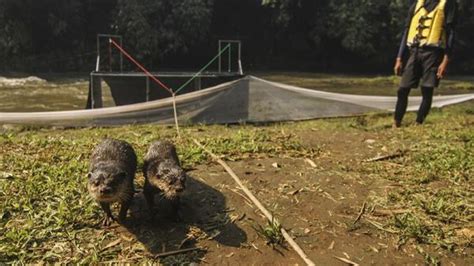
97,68
121,56
110,55
147,89
219,53
91,82
97,63
241,72
230,59
108,36
197,84
96,92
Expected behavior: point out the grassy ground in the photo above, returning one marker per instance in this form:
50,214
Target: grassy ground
415,207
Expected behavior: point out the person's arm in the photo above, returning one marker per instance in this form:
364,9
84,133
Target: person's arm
450,36
447,53
403,44
398,62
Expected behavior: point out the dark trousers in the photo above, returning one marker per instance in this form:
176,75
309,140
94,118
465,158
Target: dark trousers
402,102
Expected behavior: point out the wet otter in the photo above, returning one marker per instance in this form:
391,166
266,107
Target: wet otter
163,174
112,169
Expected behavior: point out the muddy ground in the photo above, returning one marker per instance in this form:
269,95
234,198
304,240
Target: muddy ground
320,205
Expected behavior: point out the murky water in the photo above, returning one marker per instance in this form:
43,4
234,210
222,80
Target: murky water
48,96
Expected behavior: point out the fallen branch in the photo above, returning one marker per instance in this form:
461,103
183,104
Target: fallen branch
311,162
184,241
347,261
399,153
380,227
389,212
257,203
174,252
362,211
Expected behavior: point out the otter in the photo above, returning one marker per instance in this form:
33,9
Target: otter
163,175
112,170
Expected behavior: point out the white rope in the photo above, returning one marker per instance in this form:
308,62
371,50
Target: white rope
176,115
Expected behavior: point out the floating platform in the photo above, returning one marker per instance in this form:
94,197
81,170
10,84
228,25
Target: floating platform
138,87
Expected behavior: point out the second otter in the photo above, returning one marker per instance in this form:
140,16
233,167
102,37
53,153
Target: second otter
163,174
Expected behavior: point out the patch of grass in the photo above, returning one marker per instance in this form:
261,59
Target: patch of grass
434,182
46,212
410,226
271,232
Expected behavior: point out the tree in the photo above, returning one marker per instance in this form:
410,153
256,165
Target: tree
157,28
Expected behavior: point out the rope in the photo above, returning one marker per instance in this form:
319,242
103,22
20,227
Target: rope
140,66
202,69
176,116
259,205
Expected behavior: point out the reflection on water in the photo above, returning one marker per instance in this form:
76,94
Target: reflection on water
19,96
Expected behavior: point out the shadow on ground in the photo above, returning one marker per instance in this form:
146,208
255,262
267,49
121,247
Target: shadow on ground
204,217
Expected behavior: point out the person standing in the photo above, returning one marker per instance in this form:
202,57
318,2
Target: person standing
428,38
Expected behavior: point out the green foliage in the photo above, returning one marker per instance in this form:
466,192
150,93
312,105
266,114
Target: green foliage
323,34
157,28
271,232
434,183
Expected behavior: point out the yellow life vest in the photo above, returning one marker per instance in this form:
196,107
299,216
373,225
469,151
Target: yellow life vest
427,28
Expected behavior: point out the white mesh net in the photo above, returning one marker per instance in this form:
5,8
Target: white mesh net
249,99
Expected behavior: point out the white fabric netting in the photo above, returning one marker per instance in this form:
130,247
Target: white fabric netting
249,99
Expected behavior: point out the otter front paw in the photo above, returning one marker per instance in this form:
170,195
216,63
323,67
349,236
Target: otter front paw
107,221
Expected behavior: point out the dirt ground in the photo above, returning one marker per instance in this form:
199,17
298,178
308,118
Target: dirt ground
318,205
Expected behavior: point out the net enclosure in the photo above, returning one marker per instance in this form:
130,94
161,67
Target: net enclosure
248,99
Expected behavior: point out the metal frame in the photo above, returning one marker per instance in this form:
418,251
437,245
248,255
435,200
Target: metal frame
101,36
165,74
96,76
239,61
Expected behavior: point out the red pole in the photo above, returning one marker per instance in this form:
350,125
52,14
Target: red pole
140,66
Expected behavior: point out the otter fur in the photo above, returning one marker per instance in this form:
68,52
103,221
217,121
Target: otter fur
163,174
113,164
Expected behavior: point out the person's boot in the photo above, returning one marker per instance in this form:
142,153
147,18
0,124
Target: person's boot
396,124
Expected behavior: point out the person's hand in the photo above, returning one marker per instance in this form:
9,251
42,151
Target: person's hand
442,68
397,69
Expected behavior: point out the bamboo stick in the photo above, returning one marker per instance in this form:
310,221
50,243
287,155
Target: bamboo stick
259,205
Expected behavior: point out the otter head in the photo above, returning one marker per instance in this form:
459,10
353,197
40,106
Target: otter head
169,178
107,183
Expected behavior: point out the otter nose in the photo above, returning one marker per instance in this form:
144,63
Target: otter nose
180,189
105,190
